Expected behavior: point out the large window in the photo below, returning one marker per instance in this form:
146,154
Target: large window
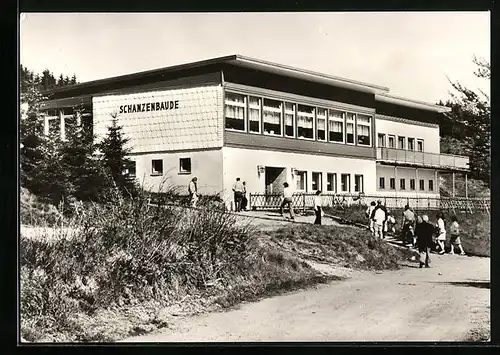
412,184
272,116
401,142
336,126
391,141
254,116
235,111
402,184
392,183
358,183
421,184
331,182
185,165
420,145
157,167
381,183
349,128
301,179
345,182
363,129
431,185
381,140
317,179
411,143
305,122
289,119
321,123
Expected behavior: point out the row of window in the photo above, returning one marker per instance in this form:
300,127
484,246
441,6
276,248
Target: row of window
331,182
403,142
259,115
402,184
184,166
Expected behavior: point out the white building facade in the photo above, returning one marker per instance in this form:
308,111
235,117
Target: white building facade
268,124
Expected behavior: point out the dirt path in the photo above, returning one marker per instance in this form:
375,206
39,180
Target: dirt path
441,303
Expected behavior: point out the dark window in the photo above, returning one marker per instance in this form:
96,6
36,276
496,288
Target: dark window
336,126
431,185
421,183
358,183
317,181
381,140
381,183
345,182
235,111
412,184
157,167
350,128
130,169
402,184
305,122
392,183
401,142
411,144
331,182
185,165
420,145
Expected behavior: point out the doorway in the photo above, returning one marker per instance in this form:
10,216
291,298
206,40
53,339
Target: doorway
275,177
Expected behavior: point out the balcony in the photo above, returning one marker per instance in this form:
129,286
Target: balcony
430,160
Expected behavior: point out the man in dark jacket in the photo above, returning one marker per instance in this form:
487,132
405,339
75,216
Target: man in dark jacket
424,233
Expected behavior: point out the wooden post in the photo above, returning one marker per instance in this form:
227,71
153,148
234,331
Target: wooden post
453,180
62,127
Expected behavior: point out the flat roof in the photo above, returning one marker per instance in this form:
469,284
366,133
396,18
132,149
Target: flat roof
381,92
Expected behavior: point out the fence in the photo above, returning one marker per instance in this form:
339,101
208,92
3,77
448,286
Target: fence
259,201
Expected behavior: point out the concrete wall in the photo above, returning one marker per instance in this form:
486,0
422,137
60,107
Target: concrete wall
205,165
195,124
243,163
430,135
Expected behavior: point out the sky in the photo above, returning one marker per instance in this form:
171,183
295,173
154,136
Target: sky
411,53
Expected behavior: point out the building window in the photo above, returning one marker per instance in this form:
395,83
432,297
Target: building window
381,140
411,144
289,119
345,182
358,183
420,145
185,165
321,123
402,185
272,117
305,122
130,169
363,129
349,128
301,179
254,110
317,181
412,184
336,126
421,184
235,111
157,167
392,183
381,183
431,185
331,182
401,142
391,141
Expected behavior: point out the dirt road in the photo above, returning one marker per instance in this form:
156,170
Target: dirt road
442,303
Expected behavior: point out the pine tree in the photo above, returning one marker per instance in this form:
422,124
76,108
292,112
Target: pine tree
73,80
60,81
114,153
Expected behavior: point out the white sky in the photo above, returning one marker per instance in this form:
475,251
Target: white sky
410,53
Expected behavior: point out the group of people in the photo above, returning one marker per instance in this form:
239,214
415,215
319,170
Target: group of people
286,201
415,230
240,195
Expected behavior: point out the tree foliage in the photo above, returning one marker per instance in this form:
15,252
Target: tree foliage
470,117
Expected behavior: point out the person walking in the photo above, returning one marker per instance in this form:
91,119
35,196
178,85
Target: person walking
238,194
287,200
389,225
455,236
193,191
368,214
408,226
317,207
379,216
424,231
441,231
244,200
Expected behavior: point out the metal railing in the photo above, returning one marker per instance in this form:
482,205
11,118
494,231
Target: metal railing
411,157
303,201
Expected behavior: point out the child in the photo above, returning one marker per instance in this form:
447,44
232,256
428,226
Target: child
455,236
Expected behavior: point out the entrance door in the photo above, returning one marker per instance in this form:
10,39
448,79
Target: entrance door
275,177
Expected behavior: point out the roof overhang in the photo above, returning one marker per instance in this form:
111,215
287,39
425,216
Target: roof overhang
384,97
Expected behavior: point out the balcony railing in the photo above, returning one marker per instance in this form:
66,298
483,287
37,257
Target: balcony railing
442,161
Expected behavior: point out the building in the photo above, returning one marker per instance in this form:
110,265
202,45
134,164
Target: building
266,123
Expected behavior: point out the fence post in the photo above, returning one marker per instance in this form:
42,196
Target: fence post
303,203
